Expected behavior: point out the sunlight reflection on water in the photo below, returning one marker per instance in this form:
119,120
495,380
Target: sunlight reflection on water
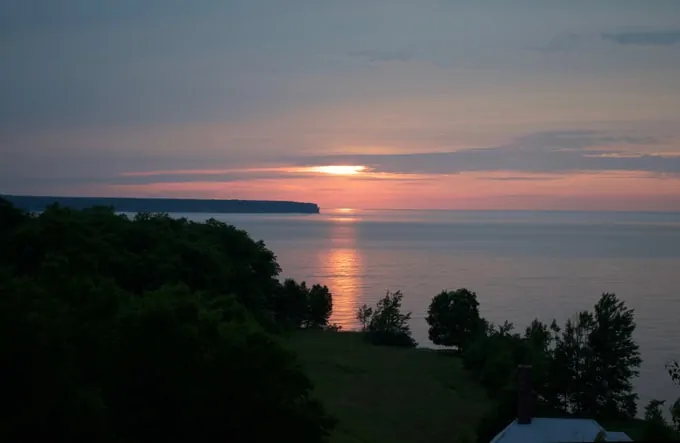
342,266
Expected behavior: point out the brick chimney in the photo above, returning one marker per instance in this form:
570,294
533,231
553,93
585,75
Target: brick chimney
525,396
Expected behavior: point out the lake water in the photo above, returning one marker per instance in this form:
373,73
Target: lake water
522,265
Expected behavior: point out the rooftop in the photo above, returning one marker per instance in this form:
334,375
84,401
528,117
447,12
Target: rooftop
556,430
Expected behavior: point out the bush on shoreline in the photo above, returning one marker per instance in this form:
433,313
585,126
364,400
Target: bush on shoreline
386,325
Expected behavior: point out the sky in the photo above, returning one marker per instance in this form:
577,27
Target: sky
558,105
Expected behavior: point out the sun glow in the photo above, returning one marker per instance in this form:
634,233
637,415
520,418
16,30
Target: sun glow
337,169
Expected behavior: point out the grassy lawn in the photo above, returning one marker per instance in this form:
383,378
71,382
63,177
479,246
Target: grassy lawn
382,394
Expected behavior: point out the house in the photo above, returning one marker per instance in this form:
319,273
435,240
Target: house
528,429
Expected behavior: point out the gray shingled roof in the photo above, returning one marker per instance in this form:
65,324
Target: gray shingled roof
555,430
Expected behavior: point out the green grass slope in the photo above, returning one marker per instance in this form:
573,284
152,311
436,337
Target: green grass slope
382,394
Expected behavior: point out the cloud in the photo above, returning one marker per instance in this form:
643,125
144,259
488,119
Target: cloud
513,178
148,177
244,174
174,62
544,152
645,38
571,41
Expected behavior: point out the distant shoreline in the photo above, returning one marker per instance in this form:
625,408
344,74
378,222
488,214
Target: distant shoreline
124,204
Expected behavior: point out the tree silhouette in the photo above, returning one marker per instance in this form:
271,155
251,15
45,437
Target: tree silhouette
454,318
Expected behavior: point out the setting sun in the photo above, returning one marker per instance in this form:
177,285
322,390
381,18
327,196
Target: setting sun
337,169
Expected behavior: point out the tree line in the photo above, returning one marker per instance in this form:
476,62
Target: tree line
584,368
147,329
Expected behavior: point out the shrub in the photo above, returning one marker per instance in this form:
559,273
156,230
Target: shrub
364,315
386,325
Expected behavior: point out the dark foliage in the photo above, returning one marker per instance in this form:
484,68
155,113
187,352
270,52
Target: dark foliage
454,318
364,315
674,371
213,369
386,325
145,330
319,307
584,369
656,426
494,357
498,417
597,360
300,306
290,303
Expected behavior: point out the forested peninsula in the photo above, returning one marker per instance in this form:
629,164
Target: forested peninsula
168,205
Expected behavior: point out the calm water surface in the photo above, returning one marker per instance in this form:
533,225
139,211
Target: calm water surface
522,265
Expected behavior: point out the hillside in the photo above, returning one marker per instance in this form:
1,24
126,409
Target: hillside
168,205
383,394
